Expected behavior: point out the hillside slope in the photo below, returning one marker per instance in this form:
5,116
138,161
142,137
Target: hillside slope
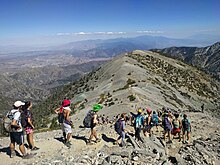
139,78
207,58
37,83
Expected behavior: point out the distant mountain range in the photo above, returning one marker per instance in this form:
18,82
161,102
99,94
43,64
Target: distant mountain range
206,58
111,47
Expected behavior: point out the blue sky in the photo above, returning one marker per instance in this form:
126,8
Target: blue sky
57,21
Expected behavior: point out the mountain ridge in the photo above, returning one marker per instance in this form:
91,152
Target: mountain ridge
206,58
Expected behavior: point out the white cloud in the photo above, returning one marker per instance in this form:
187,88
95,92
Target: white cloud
63,34
150,31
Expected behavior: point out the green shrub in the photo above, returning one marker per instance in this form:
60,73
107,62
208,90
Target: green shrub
131,97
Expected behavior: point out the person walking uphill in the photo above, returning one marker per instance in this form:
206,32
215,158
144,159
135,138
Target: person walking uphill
120,129
16,133
27,123
93,124
187,128
138,124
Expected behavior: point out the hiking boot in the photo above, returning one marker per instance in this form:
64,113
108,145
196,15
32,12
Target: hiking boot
184,142
98,140
68,144
35,149
13,154
169,142
89,143
28,156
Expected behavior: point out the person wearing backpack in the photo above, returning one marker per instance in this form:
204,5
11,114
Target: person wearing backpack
186,128
67,124
27,124
120,129
167,124
59,111
16,133
93,123
177,125
138,124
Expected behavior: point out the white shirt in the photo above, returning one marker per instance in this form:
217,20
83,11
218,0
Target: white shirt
17,117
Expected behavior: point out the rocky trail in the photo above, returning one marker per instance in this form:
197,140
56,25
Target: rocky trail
204,147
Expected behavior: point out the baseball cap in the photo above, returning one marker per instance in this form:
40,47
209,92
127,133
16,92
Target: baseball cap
139,110
96,107
149,110
65,103
18,103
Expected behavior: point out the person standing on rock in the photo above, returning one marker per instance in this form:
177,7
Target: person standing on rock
202,107
177,125
60,113
94,122
16,133
138,124
67,124
121,130
186,125
28,124
167,126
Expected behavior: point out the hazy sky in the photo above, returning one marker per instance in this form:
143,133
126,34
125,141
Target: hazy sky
57,21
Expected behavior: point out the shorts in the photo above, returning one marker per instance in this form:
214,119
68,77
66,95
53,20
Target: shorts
62,127
148,128
17,137
167,128
67,128
176,131
186,130
29,130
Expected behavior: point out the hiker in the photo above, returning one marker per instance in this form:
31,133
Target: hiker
167,125
202,107
27,123
186,128
16,133
138,124
59,111
120,129
67,124
155,120
177,125
148,123
94,122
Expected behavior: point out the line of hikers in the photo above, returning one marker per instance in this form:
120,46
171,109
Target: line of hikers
171,123
21,118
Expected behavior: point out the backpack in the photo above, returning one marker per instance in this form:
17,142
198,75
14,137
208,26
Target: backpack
7,121
167,123
154,119
88,119
138,122
186,124
24,120
61,116
118,126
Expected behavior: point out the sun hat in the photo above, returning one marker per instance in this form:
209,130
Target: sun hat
96,107
18,103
